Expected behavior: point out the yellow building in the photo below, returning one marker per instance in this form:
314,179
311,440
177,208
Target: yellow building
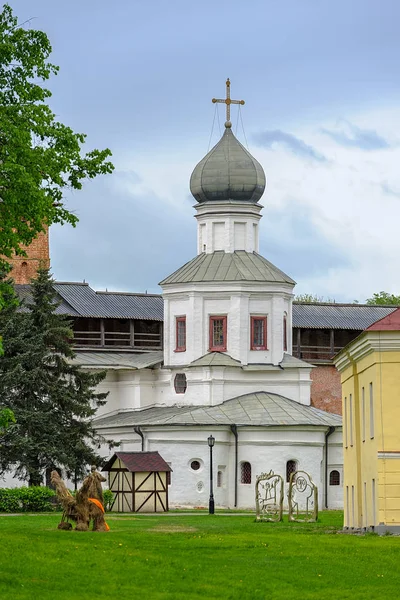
370,373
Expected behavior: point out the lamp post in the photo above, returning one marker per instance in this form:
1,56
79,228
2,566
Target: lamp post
211,442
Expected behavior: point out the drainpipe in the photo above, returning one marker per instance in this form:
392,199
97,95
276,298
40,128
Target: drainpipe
327,434
140,432
235,433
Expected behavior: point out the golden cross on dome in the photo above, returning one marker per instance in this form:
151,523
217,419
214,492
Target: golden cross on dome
228,102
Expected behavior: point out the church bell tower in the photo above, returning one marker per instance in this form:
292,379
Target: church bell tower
228,299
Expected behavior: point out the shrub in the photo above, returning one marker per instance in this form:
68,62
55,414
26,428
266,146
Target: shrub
26,499
108,497
9,500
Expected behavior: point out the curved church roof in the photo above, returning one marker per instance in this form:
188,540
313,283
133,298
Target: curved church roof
228,172
255,409
228,266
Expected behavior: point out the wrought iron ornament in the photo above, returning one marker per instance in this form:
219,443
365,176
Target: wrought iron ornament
269,497
303,498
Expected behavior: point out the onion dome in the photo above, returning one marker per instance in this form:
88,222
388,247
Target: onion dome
228,172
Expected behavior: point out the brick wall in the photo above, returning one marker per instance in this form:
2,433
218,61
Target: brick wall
326,389
24,268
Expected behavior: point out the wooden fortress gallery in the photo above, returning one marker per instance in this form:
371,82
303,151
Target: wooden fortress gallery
139,481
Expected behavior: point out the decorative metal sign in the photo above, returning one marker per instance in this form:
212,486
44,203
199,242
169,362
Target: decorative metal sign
303,498
269,497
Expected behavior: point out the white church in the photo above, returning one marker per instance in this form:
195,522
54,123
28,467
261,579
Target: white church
226,368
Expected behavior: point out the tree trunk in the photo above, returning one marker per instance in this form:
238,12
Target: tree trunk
35,478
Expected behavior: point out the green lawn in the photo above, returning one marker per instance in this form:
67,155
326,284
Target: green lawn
194,556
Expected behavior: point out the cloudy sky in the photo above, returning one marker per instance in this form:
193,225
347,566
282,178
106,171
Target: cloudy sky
322,87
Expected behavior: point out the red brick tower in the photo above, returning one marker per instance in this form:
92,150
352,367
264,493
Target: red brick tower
24,268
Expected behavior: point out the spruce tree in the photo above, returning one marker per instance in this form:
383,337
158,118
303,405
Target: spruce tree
8,302
53,399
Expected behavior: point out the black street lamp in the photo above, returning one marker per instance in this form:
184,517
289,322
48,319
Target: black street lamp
211,442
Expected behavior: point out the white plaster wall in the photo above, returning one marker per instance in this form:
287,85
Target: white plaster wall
209,386
8,481
129,390
264,448
109,384
180,306
206,386
227,226
335,462
238,305
190,487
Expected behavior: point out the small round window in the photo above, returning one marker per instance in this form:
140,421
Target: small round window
195,465
180,383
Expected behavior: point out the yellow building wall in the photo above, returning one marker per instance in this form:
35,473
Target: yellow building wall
371,440
389,491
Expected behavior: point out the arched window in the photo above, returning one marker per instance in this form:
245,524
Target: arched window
291,467
219,479
334,478
245,472
180,383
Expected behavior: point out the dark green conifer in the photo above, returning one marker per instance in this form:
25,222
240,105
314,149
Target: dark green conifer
53,399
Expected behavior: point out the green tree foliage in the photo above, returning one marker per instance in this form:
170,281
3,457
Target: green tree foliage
384,298
8,300
312,298
53,400
6,418
40,157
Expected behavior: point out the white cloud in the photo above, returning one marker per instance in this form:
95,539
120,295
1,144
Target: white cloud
346,203
334,223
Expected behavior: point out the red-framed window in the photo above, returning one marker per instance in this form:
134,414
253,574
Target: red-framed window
258,328
180,345
218,328
284,333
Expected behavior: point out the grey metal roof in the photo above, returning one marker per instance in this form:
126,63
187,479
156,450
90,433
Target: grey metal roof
118,305
256,409
133,306
228,172
228,266
117,360
80,300
216,359
337,316
100,359
24,294
222,359
290,361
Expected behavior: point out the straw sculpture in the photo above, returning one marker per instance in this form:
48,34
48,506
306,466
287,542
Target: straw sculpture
86,506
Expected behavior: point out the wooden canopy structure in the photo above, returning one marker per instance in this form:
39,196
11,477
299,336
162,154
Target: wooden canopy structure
139,481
